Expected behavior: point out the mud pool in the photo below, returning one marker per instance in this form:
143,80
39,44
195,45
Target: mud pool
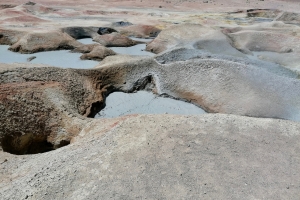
137,50
87,41
142,102
62,58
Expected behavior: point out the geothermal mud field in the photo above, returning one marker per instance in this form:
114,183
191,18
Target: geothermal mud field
150,99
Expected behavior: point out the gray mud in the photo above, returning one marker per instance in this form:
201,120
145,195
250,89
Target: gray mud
182,54
142,102
137,50
62,58
87,41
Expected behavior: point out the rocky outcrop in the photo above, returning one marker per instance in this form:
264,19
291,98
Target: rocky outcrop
9,37
275,42
208,157
115,40
44,41
97,52
46,113
241,89
241,42
81,32
139,30
185,35
254,40
105,30
37,107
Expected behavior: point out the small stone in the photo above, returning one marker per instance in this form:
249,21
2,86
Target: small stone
31,58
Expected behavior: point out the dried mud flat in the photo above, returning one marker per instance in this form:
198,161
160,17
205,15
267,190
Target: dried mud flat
237,60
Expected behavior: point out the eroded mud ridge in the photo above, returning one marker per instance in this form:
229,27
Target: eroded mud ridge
52,102
78,132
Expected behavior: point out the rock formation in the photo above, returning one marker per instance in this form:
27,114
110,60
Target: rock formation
238,61
47,41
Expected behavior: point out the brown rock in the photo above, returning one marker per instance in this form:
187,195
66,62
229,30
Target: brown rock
139,30
178,34
44,41
211,156
9,37
115,40
38,106
99,52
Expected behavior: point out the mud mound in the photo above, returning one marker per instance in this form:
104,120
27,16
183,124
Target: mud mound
37,105
191,36
9,37
238,66
59,95
115,40
98,53
276,42
81,32
238,88
179,35
139,30
211,156
184,54
44,41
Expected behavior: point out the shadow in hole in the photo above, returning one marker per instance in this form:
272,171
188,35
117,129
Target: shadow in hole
20,144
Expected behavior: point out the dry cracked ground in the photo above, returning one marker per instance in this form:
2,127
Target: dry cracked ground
239,60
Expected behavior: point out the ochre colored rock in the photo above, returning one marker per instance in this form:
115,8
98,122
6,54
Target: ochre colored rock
139,30
99,52
115,40
44,41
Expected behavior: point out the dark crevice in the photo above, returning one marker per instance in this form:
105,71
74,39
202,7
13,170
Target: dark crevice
82,37
21,144
141,84
105,30
62,144
95,108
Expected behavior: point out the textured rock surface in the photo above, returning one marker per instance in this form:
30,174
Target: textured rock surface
47,41
276,42
238,88
186,34
10,37
221,55
60,94
139,30
94,52
81,32
209,157
41,103
115,40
